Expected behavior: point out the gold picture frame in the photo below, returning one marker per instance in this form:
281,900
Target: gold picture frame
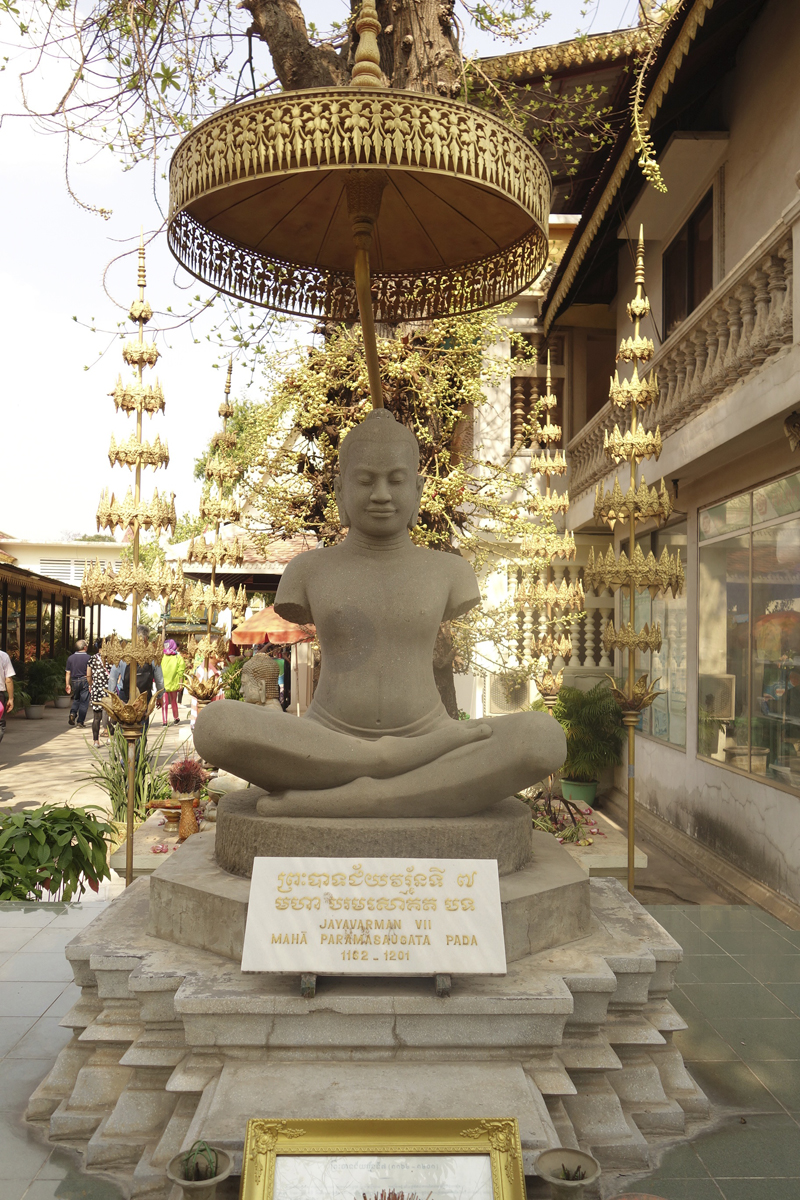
267,1141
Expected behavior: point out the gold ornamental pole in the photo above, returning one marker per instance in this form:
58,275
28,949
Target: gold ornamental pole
133,687
364,190
632,572
133,513
558,604
218,510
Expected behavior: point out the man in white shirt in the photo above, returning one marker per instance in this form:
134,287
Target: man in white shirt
7,674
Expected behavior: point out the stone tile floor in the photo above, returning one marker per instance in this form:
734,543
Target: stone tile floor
738,989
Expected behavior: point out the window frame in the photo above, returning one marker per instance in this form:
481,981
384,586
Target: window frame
650,533
706,200
747,530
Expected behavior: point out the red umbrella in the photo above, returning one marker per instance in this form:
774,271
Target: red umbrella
267,626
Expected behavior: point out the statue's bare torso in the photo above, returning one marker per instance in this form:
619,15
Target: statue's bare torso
377,616
377,741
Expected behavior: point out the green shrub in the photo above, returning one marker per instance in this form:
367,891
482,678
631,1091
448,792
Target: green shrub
52,849
111,774
41,680
232,679
592,723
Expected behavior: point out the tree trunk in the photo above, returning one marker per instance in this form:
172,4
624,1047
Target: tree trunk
443,655
418,45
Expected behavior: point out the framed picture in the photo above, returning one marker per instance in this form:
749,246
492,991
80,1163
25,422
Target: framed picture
478,1159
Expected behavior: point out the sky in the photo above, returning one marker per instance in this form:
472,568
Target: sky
55,414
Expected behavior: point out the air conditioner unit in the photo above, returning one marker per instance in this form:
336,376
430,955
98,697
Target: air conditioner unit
717,696
504,699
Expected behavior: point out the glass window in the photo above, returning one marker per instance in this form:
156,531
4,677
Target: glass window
725,518
666,718
723,592
749,666
778,499
47,620
775,735
14,636
30,628
688,265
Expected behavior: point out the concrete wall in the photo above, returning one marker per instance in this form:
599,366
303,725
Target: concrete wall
763,111
760,106
752,824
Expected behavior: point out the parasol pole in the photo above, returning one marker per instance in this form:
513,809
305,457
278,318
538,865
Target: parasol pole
364,190
133,690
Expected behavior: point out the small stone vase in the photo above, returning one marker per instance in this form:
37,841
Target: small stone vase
188,821
201,1189
548,1165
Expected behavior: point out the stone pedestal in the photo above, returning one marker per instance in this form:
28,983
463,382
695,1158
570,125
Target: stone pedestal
502,832
195,903
172,1042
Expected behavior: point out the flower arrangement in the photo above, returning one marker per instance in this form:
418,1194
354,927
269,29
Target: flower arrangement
566,821
187,776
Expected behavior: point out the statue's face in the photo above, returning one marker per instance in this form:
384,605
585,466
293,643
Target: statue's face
253,690
380,491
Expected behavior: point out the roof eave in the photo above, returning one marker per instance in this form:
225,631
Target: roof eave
678,35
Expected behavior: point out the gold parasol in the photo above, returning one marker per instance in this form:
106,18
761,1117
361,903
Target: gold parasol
289,200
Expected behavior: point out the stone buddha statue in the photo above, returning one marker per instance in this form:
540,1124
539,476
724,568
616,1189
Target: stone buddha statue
260,676
376,740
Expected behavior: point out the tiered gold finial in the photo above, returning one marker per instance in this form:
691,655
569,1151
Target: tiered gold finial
558,603
222,551
101,585
367,65
633,572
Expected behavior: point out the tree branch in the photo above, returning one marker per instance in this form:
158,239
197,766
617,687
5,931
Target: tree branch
298,64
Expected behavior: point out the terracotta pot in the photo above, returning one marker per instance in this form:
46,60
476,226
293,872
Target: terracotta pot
188,822
205,1188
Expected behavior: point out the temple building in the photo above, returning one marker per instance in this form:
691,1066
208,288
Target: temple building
718,753
40,597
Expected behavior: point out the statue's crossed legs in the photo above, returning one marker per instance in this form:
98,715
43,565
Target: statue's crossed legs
463,767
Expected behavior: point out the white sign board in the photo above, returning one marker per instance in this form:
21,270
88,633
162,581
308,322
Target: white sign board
380,916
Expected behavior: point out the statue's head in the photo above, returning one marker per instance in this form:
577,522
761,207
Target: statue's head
378,490
260,679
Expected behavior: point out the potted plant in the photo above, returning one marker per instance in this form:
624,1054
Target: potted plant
40,686
592,723
59,667
567,1171
187,778
198,1170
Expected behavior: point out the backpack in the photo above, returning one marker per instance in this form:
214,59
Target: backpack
145,678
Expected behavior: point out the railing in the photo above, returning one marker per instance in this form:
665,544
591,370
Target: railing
744,321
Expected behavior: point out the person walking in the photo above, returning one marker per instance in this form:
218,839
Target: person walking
148,675
78,684
173,668
202,673
7,674
98,686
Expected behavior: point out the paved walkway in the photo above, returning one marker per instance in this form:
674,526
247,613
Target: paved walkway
44,762
739,993
35,993
738,990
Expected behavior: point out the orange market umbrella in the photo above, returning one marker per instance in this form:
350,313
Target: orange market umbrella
267,626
